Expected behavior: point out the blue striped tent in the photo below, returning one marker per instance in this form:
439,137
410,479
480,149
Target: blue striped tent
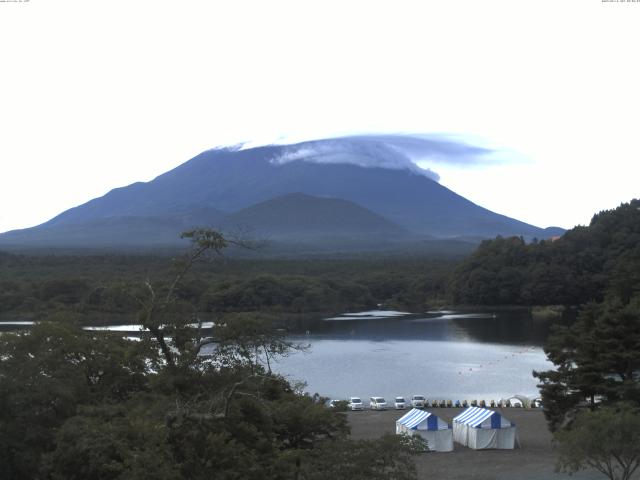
481,428
434,430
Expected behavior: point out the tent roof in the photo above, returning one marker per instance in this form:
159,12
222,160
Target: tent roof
476,416
414,417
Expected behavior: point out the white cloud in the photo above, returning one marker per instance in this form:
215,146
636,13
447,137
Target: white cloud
394,151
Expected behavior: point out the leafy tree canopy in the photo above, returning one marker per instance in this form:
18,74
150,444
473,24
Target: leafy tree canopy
607,440
584,265
177,404
597,359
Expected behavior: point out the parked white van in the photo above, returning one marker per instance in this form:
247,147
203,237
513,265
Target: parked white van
355,404
377,403
400,403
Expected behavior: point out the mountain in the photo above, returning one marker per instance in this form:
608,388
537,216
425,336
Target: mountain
300,216
114,231
223,187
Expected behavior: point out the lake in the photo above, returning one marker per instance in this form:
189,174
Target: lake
442,355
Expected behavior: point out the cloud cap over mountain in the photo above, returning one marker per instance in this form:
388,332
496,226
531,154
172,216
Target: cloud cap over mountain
398,152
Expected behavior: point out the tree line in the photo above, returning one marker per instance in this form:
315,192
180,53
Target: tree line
98,288
585,264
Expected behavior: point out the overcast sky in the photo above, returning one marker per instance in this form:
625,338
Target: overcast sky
99,94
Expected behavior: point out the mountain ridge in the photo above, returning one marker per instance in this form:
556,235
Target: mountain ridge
299,215
218,184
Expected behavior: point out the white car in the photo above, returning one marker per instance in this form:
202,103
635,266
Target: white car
418,401
355,403
400,403
377,403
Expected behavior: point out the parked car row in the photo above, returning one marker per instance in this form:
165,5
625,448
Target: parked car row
379,403
419,401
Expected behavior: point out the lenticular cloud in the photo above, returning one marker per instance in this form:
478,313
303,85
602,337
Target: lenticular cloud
400,152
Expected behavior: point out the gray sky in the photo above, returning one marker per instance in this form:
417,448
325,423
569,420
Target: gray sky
99,94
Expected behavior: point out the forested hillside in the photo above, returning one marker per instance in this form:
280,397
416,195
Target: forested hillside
582,265
102,288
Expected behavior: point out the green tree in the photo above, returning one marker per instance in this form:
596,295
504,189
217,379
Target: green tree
607,440
230,415
598,357
584,265
111,442
184,402
389,457
47,374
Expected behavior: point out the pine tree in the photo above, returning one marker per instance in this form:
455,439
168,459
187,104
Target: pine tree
597,359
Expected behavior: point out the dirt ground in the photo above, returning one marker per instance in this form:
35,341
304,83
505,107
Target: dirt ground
535,460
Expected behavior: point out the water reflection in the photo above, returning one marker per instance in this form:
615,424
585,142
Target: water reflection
446,355
443,355
512,327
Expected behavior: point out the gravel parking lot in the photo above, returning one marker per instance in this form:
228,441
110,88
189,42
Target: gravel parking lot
535,460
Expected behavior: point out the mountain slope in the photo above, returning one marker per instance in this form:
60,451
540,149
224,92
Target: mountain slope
297,215
229,180
115,231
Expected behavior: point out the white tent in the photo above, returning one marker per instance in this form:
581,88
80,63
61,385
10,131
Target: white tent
479,428
434,430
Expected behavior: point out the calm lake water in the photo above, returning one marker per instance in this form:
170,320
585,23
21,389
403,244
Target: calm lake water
443,355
